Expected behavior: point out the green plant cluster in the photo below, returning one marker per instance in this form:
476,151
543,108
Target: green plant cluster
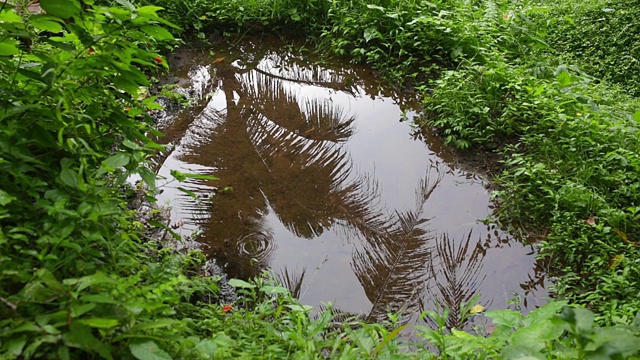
78,277
600,36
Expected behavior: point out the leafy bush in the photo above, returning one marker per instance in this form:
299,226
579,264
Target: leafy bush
599,36
77,277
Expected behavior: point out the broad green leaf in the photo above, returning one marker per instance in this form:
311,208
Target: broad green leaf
8,47
155,324
131,145
536,335
148,176
623,340
148,350
149,11
28,327
100,323
80,336
117,161
506,317
14,346
157,32
636,116
521,352
126,4
10,16
237,283
69,177
371,33
5,198
547,311
78,310
582,319
564,79
274,289
46,23
63,9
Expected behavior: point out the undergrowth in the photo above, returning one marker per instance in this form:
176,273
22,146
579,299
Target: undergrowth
80,279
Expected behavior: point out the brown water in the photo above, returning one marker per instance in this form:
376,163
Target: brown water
321,182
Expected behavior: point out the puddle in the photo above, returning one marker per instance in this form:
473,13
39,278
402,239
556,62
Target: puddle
322,182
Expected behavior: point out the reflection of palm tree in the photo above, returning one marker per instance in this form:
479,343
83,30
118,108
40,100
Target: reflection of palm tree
280,155
393,266
456,275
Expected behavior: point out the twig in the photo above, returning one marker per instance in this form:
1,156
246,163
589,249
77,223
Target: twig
11,305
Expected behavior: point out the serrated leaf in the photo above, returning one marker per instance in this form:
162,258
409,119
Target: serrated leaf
157,32
148,350
237,283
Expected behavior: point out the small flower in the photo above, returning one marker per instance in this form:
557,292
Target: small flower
507,16
90,51
477,308
226,308
127,108
579,114
158,59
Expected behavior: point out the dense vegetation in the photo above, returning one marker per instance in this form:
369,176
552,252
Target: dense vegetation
80,277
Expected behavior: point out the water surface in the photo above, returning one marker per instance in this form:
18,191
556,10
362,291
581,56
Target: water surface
322,181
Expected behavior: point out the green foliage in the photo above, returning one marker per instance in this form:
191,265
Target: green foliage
79,278
554,331
600,37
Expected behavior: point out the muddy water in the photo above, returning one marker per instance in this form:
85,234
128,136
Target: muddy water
322,181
